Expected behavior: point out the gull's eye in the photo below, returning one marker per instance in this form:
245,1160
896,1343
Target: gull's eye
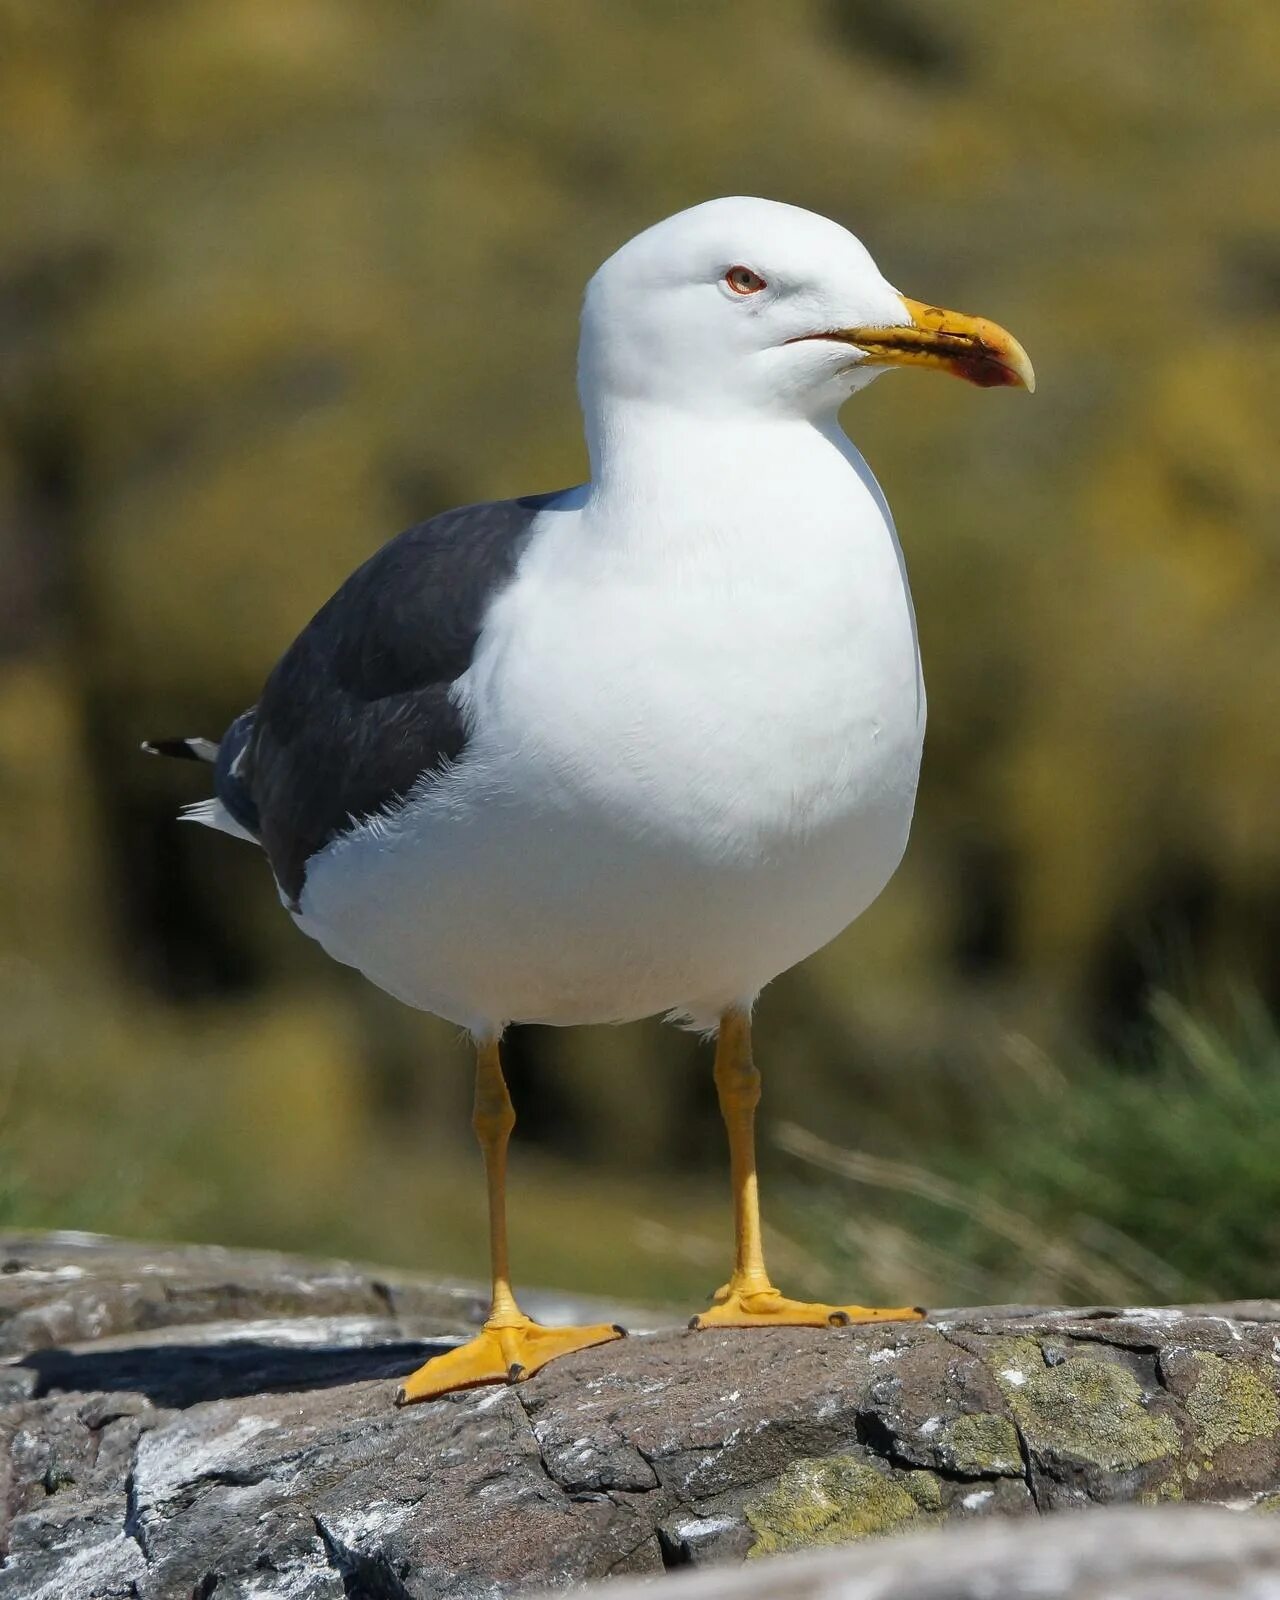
743,281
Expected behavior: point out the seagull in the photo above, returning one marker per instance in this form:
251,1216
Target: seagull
636,747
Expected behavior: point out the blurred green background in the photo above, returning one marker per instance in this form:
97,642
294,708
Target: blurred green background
278,277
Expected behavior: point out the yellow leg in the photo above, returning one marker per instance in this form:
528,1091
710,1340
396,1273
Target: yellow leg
749,1299
510,1346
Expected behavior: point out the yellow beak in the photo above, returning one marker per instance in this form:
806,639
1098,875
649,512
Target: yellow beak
971,347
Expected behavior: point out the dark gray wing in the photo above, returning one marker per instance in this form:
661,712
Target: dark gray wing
359,707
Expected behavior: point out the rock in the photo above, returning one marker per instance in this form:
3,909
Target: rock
194,1422
1098,1555
57,1289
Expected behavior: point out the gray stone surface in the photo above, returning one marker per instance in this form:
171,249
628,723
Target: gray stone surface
189,1422
1104,1554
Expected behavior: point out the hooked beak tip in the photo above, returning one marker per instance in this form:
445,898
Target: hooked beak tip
973,348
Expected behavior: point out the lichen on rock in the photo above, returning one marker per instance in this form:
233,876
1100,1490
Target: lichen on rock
835,1499
1093,1411
981,1444
1232,1403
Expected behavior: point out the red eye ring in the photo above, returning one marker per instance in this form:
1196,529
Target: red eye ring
743,281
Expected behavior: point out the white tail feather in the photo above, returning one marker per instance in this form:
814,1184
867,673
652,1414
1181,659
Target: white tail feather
213,814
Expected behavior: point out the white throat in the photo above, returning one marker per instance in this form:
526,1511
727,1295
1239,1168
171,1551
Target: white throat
691,481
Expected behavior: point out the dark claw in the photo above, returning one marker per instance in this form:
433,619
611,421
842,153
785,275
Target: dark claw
839,1319
620,1330
514,1371
695,1323
401,1397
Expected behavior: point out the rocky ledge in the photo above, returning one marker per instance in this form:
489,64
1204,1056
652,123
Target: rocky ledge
192,1422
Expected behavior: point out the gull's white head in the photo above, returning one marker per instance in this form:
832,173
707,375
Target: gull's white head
744,304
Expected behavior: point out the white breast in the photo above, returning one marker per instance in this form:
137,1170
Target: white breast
697,727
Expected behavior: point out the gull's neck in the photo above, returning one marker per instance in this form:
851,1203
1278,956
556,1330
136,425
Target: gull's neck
640,450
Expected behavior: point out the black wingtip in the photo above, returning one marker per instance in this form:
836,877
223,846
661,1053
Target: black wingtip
182,749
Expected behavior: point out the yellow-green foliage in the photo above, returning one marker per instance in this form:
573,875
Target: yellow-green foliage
253,1124
1141,1178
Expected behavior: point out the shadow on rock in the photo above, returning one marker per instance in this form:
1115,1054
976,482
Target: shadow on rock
177,1375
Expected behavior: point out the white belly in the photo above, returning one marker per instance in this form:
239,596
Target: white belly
678,785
